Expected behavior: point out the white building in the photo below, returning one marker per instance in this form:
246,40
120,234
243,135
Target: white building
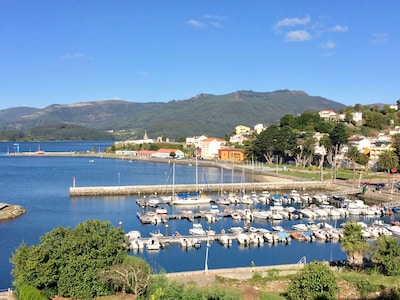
195,141
210,146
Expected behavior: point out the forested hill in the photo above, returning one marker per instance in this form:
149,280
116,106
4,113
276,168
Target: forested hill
214,115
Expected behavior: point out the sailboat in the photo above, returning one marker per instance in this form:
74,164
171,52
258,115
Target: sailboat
194,198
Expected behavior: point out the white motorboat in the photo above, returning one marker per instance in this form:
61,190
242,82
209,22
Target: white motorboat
300,227
225,240
153,201
133,234
294,196
394,229
136,244
197,229
243,239
236,229
161,211
153,244
278,228
156,234
256,239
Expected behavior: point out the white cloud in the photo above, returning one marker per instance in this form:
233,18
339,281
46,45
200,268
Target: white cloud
339,28
329,44
79,56
288,22
297,36
196,23
207,20
380,38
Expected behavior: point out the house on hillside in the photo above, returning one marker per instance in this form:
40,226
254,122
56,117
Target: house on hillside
195,140
377,148
231,154
328,115
242,129
239,138
361,142
210,146
259,128
357,117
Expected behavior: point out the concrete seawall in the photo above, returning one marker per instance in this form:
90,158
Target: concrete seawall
181,188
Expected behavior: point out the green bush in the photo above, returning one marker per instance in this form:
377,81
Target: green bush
27,292
315,281
365,287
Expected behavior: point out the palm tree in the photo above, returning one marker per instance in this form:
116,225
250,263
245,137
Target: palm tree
353,154
354,243
387,161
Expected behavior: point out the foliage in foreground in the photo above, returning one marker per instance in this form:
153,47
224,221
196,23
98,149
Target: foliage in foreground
386,255
69,262
28,292
315,281
354,243
161,288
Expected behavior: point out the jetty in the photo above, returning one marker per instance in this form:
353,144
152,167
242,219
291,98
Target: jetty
138,190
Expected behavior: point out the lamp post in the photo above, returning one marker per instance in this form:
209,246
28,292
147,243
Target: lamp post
207,247
277,156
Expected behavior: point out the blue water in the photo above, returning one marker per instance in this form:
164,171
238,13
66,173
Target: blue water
41,186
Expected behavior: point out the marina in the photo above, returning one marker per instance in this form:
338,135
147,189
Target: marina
313,218
41,186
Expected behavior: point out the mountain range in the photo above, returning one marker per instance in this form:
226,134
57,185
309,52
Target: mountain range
213,115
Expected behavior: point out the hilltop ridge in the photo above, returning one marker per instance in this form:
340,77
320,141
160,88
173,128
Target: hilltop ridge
214,115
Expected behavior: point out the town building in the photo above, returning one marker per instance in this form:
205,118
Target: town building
231,154
210,146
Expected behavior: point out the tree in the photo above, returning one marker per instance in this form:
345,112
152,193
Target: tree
387,161
339,137
353,154
395,143
315,281
132,275
266,142
386,255
305,148
354,243
68,263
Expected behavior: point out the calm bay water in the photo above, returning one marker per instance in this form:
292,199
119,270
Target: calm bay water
41,186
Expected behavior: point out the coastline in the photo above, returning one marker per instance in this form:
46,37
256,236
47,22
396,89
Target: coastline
260,175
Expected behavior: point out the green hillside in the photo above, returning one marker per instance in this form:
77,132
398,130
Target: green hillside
214,115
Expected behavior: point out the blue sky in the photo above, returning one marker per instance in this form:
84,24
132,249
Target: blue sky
68,51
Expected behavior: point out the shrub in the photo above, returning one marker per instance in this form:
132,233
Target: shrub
315,281
27,292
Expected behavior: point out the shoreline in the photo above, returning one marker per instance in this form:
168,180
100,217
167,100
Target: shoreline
260,175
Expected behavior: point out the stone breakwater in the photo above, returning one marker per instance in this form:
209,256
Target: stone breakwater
9,211
182,188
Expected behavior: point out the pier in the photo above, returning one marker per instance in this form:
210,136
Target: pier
138,190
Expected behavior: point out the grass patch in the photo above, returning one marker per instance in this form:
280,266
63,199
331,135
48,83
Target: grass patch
221,279
371,282
271,296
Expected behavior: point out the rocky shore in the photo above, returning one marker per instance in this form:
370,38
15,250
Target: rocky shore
10,211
